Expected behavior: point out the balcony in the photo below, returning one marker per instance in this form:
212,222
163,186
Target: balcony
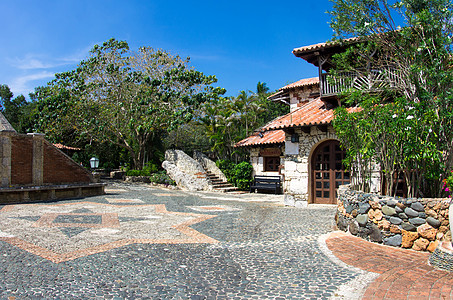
375,80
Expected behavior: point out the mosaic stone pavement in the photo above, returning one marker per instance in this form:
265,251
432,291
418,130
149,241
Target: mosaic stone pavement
143,242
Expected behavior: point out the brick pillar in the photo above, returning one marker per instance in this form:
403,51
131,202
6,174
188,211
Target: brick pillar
38,158
5,158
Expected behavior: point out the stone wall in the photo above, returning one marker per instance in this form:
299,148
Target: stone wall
257,163
297,158
419,224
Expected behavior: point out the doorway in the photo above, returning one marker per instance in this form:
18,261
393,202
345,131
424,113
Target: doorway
328,172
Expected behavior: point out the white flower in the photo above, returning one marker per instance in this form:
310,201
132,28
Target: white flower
409,117
394,116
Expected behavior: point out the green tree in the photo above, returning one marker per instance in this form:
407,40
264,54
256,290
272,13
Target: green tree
17,110
128,98
407,112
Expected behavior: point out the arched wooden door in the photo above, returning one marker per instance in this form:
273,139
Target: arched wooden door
328,172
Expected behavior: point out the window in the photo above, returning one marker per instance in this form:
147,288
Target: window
271,163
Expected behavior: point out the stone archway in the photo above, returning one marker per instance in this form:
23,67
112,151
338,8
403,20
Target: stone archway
327,172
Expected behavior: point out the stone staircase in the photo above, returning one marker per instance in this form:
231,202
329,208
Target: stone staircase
220,185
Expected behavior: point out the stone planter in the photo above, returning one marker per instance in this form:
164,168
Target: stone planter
419,224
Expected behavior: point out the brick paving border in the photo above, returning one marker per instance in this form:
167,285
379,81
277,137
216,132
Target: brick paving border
404,273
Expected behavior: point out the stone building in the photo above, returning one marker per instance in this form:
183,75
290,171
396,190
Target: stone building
302,146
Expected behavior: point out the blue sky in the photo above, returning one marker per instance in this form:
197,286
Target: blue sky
241,42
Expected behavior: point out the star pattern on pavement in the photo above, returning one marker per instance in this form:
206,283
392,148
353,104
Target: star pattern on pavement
63,232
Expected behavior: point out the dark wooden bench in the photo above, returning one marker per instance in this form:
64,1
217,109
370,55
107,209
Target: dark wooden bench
266,183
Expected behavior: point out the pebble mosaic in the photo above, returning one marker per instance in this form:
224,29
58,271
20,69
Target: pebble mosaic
178,246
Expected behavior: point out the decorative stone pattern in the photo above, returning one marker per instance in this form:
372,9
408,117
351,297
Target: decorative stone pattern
419,224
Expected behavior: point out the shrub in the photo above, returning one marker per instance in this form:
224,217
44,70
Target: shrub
240,175
161,177
133,173
147,170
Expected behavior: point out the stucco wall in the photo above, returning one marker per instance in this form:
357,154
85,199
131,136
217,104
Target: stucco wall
297,158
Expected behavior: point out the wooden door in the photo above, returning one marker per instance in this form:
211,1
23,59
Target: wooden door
328,172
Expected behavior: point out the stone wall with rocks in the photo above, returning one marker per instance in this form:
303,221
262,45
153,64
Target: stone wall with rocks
419,224
185,171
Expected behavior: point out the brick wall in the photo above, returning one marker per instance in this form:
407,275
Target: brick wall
59,168
21,159
35,161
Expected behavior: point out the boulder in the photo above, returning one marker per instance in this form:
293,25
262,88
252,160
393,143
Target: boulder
417,206
408,226
208,165
417,221
433,222
184,162
410,212
389,211
427,232
432,246
420,244
353,227
184,180
395,229
384,225
362,219
394,241
395,220
408,238
375,234
374,205
364,208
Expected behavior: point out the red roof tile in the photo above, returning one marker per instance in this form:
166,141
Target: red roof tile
63,147
320,46
269,137
301,83
315,112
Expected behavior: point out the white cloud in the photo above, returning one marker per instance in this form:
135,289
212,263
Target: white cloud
23,84
33,61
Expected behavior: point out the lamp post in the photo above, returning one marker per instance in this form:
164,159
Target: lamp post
94,163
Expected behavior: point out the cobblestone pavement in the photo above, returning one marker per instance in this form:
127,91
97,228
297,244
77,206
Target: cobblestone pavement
139,241
403,273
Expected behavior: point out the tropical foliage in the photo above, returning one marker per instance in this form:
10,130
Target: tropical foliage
406,123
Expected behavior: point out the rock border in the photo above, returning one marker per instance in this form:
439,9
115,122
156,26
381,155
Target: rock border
415,223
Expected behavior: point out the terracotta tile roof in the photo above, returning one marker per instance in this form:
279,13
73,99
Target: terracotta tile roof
315,112
319,46
301,83
282,93
63,147
269,137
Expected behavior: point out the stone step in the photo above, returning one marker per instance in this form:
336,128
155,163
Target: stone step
222,185
227,189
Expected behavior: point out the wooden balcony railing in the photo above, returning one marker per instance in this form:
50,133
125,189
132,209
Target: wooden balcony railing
372,81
